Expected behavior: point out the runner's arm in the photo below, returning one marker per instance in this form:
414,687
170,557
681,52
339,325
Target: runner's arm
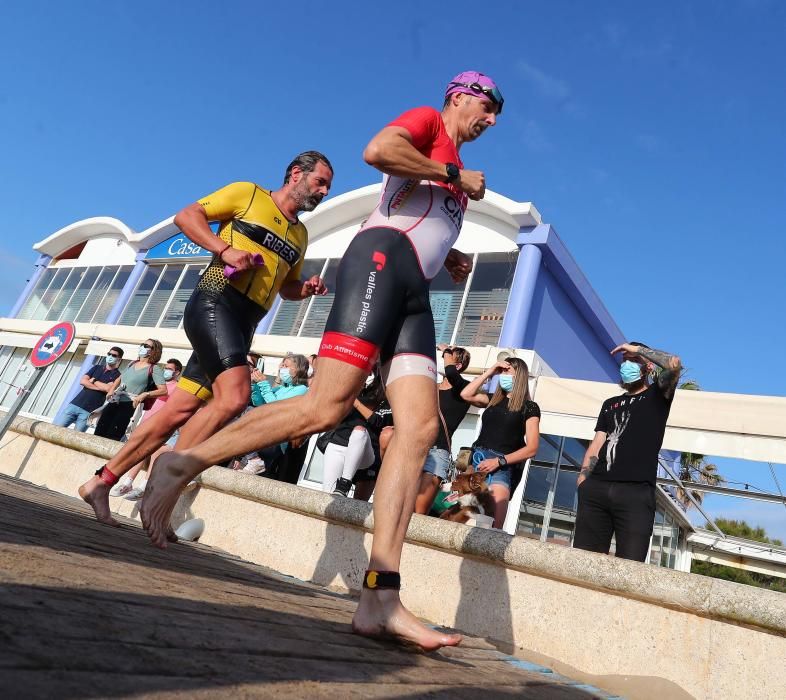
297,290
192,220
392,151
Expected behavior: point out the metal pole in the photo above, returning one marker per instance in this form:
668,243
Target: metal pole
693,500
24,392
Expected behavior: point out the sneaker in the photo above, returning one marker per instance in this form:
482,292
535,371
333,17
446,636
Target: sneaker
135,494
342,487
254,466
122,487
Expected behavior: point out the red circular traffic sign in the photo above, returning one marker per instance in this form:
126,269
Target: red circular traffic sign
52,344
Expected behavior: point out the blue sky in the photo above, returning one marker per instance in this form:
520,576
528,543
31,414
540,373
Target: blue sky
650,135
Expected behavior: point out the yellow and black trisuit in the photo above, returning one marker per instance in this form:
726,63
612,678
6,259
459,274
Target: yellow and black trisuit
222,314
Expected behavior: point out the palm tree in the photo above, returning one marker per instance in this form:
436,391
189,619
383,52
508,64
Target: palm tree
694,468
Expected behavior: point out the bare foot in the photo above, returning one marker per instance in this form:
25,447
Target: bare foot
96,494
380,614
163,488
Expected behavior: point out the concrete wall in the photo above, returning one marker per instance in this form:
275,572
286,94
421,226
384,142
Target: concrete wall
560,334
642,631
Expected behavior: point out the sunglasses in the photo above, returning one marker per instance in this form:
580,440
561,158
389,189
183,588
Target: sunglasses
145,345
113,354
492,93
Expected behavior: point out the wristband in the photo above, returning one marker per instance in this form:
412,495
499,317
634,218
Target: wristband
222,251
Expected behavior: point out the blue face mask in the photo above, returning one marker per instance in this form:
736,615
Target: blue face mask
168,374
261,364
630,372
506,382
285,376
111,359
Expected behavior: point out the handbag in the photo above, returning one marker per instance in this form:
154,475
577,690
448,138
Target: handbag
147,404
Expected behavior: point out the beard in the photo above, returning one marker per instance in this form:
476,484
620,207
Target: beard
306,199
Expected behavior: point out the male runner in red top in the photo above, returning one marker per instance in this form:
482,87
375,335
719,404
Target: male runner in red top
381,310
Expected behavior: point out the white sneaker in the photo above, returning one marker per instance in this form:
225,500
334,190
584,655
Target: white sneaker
122,487
254,466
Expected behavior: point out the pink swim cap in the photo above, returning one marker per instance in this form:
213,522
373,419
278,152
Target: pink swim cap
471,82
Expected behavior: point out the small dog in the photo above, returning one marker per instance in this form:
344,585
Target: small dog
471,495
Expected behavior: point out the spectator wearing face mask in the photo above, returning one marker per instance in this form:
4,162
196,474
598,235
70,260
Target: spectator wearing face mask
292,380
509,429
142,379
95,384
125,487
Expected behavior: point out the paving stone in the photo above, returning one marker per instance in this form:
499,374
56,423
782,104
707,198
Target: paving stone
88,611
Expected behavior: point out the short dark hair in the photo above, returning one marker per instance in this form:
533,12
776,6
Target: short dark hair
118,350
177,363
306,161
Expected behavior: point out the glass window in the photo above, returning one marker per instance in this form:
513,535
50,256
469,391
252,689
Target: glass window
290,314
573,452
14,375
160,296
33,301
539,483
88,276
47,398
91,303
445,297
177,305
530,521
566,491
548,449
51,293
481,321
141,295
70,281
112,293
319,307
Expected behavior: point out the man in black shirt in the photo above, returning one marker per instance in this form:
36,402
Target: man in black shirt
95,384
453,409
617,480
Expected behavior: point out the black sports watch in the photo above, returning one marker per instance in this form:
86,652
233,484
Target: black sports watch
502,461
452,172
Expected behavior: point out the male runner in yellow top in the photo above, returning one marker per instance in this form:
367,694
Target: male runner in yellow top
223,311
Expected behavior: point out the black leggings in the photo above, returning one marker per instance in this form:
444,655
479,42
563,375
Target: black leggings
381,308
220,328
114,420
623,509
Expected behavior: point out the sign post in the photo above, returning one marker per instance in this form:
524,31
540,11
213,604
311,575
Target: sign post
49,348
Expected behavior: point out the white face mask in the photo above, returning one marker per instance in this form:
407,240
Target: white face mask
261,364
369,380
310,372
143,351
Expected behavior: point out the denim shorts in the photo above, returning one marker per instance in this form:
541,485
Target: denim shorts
437,463
501,476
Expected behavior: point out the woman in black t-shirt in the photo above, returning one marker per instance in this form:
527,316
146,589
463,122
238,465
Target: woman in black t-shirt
509,429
